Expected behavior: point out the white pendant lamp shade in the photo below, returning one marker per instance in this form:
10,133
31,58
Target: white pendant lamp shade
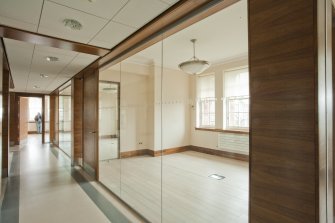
194,65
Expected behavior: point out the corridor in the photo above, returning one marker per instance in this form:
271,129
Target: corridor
43,187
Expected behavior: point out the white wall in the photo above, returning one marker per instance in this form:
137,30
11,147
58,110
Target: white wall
175,109
108,113
134,130
134,109
158,112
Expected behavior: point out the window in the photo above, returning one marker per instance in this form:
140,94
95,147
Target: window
206,101
35,106
238,112
236,93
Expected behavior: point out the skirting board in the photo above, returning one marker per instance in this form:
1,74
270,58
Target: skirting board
221,153
108,136
169,151
141,152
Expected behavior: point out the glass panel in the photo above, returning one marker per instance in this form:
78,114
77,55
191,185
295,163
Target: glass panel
199,184
65,121
141,132
47,118
109,128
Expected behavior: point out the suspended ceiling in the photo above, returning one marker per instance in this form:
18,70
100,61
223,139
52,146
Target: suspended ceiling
105,24
28,61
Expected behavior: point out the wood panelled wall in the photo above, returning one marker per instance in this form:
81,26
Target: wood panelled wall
14,132
5,120
54,138
77,120
52,117
283,134
90,121
24,117
56,141
19,116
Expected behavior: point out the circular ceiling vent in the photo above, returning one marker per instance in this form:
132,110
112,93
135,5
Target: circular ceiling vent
72,24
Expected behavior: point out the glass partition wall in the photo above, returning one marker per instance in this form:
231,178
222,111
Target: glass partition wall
47,118
109,129
65,120
129,150
183,134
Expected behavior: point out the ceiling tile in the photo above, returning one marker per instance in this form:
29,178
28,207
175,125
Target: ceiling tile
56,83
112,34
42,66
138,13
52,23
36,80
170,2
20,14
102,8
18,24
19,57
78,63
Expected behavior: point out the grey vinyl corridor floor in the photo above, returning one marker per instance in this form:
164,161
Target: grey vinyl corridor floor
43,188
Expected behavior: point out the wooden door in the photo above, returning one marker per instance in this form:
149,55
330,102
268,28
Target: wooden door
90,122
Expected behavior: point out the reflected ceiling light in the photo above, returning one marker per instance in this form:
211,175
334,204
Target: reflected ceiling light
35,86
52,59
92,1
44,75
72,24
194,65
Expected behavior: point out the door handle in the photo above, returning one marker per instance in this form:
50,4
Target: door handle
92,132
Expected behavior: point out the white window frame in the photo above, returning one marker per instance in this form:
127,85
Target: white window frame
231,127
199,113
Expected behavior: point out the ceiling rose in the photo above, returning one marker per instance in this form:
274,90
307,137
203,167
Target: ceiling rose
194,65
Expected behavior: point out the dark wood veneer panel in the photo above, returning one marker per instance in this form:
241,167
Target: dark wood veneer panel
283,133
77,119
14,130
40,39
90,121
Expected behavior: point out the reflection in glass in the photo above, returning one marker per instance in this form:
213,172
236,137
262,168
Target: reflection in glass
134,171
141,132
47,118
65,121
165,164
192,187
109,128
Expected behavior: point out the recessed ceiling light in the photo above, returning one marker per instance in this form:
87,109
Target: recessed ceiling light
44,75
72,24
52,59
35,86
217,176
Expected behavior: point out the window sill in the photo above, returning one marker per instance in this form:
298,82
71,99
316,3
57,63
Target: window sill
246,132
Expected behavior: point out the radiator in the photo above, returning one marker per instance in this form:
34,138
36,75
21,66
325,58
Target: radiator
236,143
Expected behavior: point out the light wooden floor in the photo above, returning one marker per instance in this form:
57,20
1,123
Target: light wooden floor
176,188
